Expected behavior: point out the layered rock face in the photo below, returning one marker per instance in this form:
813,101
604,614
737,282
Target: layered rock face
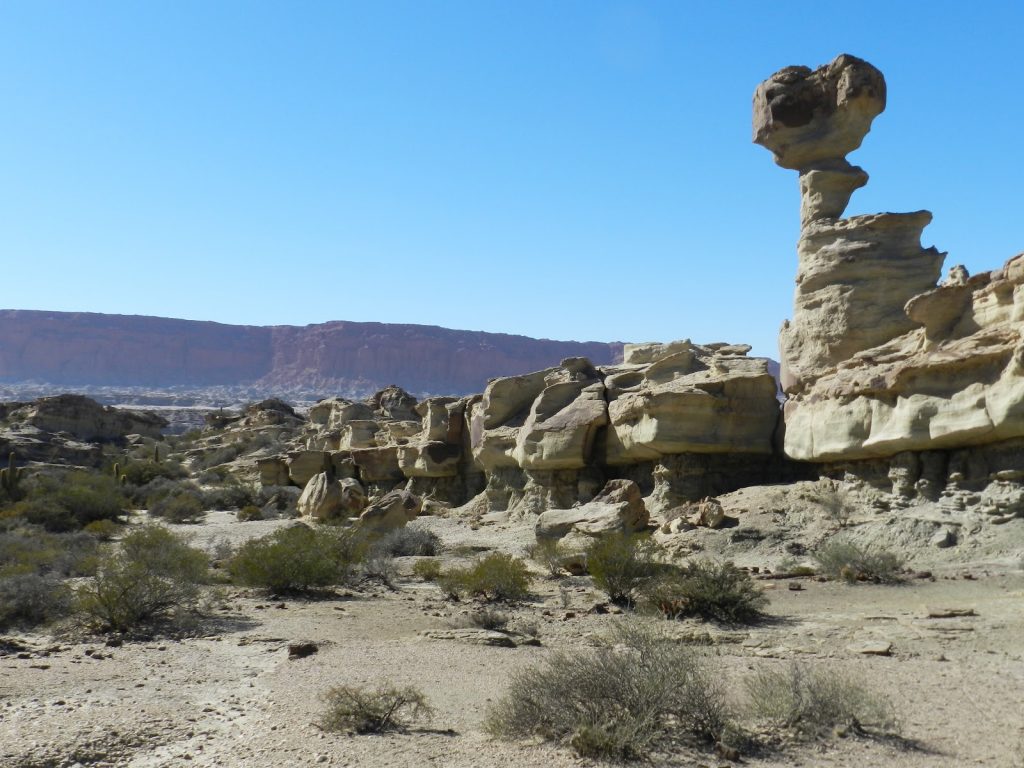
676,421
921,384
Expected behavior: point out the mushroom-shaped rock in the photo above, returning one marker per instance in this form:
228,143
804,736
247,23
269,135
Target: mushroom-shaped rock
813,119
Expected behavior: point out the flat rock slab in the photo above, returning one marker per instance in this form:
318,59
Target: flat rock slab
872,648
482,637
948,613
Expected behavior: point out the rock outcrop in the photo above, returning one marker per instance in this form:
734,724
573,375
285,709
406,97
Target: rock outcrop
916,387
677,422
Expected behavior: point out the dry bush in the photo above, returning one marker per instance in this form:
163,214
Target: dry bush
852,563
384,708
485,618
30,599
248,513
497,576
812,703
617,701
715,591
153,576
621,565
408,542
548,554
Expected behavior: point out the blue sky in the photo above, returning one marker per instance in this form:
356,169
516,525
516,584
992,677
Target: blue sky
571,170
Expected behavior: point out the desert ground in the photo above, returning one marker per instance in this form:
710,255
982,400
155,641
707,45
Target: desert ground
947,648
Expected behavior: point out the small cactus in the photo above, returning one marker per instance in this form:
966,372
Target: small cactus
156,453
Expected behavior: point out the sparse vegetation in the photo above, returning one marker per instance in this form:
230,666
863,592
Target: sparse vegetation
68,501
181,506
363,710
153,576
813,702
837,504
617,701
849,562
408,542
250,512
548,554
30,599
485,618
621,565
427,569
498,576
716,591
298,559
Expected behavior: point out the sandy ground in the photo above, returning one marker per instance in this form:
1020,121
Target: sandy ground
234,698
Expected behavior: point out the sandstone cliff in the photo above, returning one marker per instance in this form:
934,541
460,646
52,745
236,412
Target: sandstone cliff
357,358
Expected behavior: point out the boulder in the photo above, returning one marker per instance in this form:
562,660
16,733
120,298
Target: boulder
390,511
619,508
321,497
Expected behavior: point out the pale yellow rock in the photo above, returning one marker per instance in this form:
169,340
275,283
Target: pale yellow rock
392,510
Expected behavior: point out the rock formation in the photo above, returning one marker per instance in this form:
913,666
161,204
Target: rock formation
918,387
677,422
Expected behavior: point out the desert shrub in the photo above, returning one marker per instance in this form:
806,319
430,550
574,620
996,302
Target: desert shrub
32,550
30,599
69,501
103,530
250,512
547,553
427,569
717,591
621,565
153,575
379,565
408,542
232,495
485,618
812,702
138,473
497,576
616,701
362,710
183,506
298,559
837,504
852,563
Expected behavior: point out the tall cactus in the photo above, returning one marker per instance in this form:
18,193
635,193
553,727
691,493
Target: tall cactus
10,475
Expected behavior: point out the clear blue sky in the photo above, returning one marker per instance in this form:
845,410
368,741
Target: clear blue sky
571,170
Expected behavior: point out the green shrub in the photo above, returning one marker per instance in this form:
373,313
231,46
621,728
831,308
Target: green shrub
362,710
153,576
498,576
69,501
181,507
717,591
812,702
427,569
232,495
621,565
250,512
30,599
852,563
298,559
139,473
618,701
408,542
103,530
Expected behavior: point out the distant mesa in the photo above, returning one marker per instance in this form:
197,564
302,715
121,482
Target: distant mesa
354,359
